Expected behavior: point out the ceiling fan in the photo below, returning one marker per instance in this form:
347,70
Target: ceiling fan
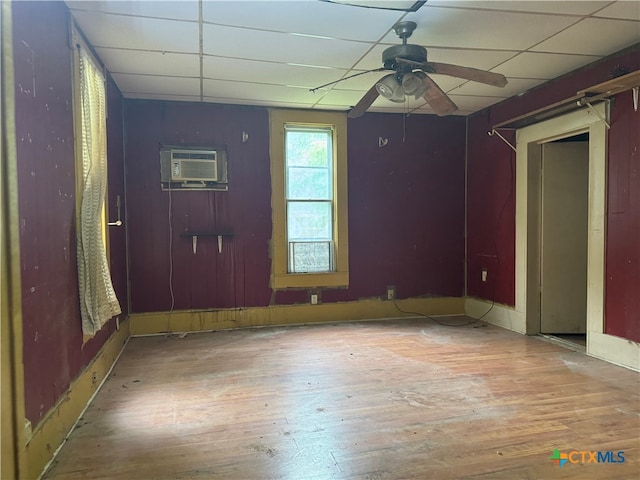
411,76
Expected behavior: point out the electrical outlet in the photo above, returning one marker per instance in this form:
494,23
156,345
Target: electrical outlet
391,292
314,299
484,274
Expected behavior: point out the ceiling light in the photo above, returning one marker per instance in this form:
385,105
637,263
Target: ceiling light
390,88
412,84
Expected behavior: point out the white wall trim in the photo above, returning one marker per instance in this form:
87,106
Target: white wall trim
620,351
499,315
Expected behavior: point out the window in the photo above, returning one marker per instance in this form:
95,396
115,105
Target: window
309,195
98,302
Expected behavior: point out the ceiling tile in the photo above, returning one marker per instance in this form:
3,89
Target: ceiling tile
258,91
341,98
150,63
173,10
483,59
542,65
514,87
628,10
557,7
306,17
473,103
157,85
117,31
225,68
587,36
248,44
482,29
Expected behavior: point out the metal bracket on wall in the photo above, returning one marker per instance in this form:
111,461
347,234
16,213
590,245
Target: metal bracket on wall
495,132
594,110
194,238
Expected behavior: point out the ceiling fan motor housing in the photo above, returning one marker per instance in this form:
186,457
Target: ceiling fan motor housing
414,53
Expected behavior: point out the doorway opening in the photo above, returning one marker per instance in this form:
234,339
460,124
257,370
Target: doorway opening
563,228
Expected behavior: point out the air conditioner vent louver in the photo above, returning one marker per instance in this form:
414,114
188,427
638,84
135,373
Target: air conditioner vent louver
187,167
194,155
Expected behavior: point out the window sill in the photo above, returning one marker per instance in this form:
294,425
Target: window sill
310,280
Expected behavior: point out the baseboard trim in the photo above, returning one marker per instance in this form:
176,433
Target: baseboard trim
616,350
51,433
496,314
277,315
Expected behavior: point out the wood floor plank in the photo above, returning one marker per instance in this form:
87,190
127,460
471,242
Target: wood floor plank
395,399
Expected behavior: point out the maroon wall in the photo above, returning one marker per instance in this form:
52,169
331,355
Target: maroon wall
622,308
490,213
406,209
239,276
491,184
53,350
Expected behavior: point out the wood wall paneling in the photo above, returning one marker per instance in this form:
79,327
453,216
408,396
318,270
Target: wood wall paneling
490,214
406,209
623,222
406,205
207,279
53,346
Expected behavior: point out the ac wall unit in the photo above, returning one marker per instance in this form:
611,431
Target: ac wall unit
186,167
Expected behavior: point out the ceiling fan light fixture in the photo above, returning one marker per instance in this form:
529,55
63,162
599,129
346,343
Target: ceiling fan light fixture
412,84
390,88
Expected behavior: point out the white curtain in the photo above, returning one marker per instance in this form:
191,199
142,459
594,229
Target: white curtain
98,302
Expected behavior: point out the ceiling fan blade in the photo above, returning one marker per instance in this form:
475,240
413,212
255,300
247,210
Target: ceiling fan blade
468,73
364,103
437,99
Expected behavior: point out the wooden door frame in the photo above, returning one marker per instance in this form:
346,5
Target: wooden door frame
528,153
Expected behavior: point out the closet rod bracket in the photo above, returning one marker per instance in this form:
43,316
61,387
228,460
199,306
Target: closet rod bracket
495,132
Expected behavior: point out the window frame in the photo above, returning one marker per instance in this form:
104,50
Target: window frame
280,276
77,41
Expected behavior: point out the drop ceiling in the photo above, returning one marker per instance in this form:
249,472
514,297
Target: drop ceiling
271,53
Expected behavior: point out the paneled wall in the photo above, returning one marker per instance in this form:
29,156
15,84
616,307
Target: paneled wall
622,309
54,352
491,199
406,209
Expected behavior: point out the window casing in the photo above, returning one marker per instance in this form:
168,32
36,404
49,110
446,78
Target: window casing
309,199
98,301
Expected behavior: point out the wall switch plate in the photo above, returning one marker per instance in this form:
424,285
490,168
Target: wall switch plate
314,299
484,274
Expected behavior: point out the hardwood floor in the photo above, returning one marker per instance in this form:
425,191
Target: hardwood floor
394,399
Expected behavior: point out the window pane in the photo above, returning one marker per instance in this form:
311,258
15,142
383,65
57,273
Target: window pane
308,184
308,257
309,221
308,148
